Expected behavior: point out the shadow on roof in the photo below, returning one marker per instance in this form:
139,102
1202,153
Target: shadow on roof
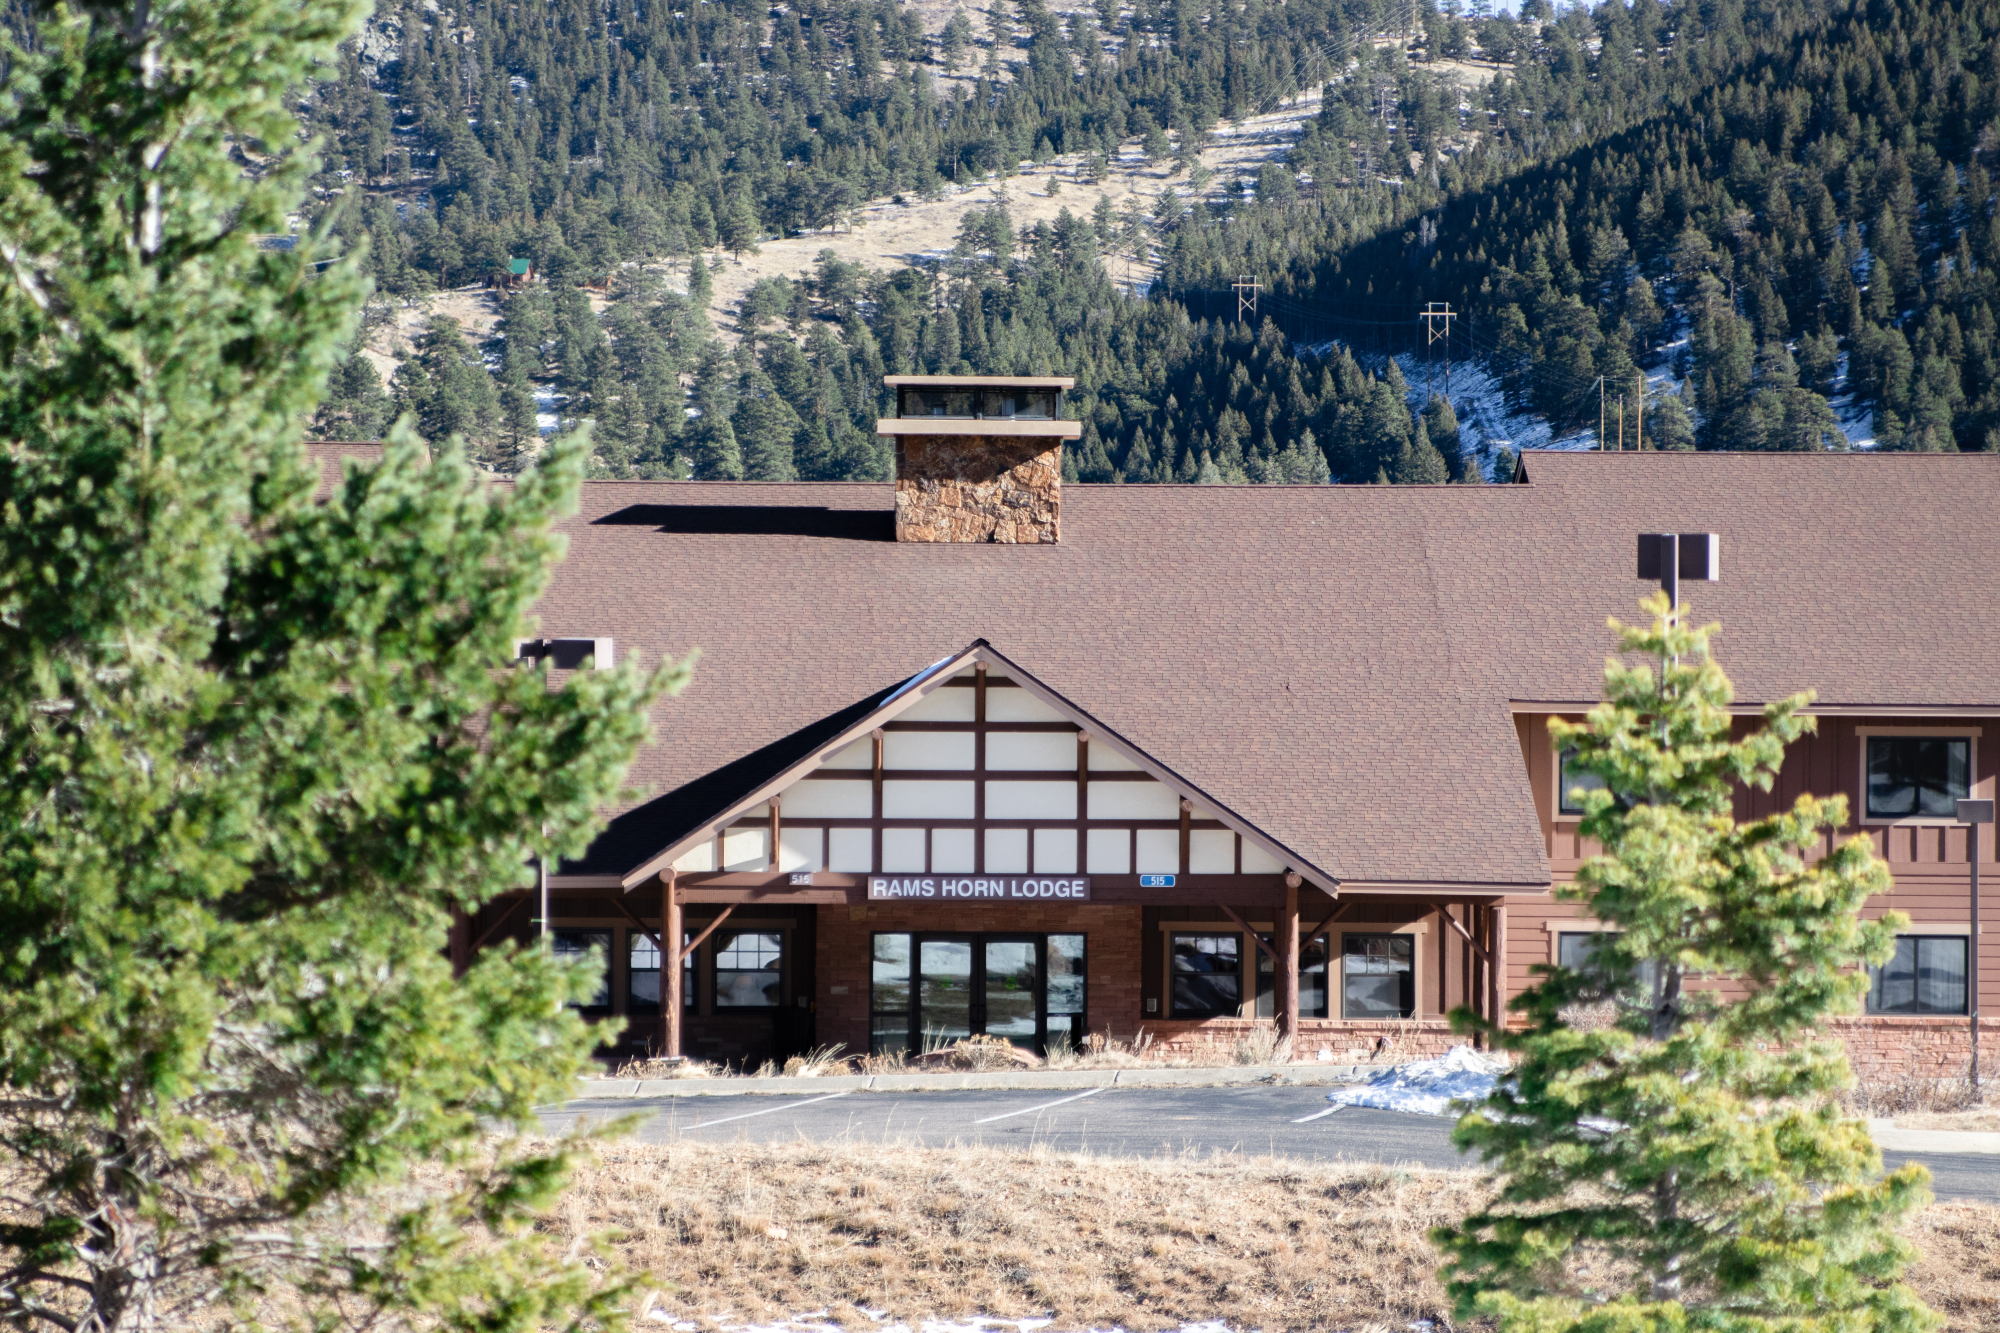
860,525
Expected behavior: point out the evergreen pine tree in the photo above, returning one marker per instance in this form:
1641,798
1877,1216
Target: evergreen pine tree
1683,1165
260,749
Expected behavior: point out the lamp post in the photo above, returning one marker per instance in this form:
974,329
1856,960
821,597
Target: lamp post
1972,814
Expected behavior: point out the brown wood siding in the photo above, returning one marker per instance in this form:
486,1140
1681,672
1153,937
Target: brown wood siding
1927,861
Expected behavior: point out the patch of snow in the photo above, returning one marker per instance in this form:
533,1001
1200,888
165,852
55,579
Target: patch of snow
1428,1087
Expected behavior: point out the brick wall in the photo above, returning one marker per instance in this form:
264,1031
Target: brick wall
1345,1041
1111,956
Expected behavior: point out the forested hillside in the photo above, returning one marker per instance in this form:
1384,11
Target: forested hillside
1731,195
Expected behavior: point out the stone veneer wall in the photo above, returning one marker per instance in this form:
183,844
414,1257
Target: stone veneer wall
1886,1049
1111,956
978,488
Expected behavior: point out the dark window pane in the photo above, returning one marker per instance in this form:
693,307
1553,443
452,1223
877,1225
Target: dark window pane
1378,976
888,1033
1917,776
749,969
1035,404
573,944
944,990
1065,978
642,976
1570,779
1207,980
937,403
1577,950
1926,975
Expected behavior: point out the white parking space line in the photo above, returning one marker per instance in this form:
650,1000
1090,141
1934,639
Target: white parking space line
767,1110
1315,1115
1043,1107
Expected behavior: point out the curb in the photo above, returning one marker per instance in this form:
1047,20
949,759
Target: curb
1886,1135
605,1089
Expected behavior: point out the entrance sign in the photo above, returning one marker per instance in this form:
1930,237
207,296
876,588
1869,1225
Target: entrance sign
980,888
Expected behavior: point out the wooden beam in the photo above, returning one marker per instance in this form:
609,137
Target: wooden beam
1269,952
1187,834
1496,922
773,862
498,922
696,942
640,926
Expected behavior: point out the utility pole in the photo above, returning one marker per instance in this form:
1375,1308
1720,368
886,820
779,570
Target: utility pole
1639,414
1437,317
1241,286
1600,414
1621,423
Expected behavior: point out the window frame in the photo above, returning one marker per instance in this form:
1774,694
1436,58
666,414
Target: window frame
1563,811
1416,940
1926,930
1206,931
610,933
712,949
1863,735
1326,937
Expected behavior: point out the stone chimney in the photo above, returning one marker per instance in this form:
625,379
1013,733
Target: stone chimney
978,457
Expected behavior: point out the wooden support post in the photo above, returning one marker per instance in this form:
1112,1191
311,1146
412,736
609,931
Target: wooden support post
1497,962
1475,990
670,966
1187,833
1444,982
1287,1007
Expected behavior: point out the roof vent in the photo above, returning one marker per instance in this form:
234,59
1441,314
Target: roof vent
565,654
978,457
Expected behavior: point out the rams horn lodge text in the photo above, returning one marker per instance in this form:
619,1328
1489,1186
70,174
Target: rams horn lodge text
982,888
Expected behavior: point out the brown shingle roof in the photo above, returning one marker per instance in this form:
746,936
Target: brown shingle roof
1333,663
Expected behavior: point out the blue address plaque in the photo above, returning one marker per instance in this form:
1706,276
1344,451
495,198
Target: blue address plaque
1156,881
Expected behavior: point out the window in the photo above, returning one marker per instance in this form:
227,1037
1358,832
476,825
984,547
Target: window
1918,777
642,976
1926,975
1378,976
1312,979
1568,779
1207,976
889,995
1063,987
572,945
1577,949
749,969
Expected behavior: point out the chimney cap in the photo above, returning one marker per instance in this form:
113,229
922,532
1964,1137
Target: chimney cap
979,381
992,426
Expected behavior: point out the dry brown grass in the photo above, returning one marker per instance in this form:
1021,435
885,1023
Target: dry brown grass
760,1231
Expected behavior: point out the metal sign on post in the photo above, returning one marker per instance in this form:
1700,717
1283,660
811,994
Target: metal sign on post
1972,814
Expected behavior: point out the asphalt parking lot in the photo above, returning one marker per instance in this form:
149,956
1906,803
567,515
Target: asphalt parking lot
1257,1120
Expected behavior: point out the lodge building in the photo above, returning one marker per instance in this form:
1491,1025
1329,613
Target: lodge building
985,752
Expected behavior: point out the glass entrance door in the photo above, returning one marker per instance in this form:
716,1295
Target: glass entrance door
927,991
1009,990
944,991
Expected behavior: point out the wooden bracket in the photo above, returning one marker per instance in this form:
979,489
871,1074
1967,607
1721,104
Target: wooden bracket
494,929
1452,921
1339,911
641,926
1269,952
695,943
